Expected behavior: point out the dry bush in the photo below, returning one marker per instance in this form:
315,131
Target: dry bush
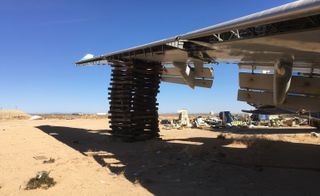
51,160
42,180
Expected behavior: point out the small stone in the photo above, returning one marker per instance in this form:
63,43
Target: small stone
53,134
314,134
112,174
51,160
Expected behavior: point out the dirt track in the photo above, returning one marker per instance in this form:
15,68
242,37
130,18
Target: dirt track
185,162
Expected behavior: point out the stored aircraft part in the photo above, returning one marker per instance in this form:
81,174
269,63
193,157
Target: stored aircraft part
226,118
292,102
197,82
188,74
281,81
184,118
287,34
199,122
133,103
276,31
206,122
165,122
302,94
206,72
268,111
200,78
299,84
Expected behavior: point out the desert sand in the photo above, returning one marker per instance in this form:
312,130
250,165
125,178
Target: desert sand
87,161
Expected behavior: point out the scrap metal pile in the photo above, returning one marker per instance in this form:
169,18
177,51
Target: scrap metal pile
132,97
226,119
206,122
182,121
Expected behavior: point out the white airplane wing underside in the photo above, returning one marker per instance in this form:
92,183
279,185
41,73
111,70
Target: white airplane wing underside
277,50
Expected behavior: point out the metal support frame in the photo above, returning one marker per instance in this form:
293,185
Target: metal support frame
309,22
218,37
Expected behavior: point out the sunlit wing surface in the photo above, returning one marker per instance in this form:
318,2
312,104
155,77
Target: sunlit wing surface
277,50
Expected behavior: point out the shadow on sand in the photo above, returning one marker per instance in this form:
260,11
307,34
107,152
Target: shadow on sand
202,166
279,130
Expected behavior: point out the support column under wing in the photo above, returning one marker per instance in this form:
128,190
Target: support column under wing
133,100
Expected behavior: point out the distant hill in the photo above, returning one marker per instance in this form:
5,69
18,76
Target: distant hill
13,114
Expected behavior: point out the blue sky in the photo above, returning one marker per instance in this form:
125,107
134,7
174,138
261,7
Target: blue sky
41,39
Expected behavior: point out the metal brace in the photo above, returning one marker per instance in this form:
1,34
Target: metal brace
218,37
236,33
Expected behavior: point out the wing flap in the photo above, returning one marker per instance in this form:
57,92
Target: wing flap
299,84
198,82
173,71
292,102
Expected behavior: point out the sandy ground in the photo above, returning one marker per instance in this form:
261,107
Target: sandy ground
185,162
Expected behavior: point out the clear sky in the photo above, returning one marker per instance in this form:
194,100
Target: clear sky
41,39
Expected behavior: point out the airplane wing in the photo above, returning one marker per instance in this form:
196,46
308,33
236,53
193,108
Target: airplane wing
277,50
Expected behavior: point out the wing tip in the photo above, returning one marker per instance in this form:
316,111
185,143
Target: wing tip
86,59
